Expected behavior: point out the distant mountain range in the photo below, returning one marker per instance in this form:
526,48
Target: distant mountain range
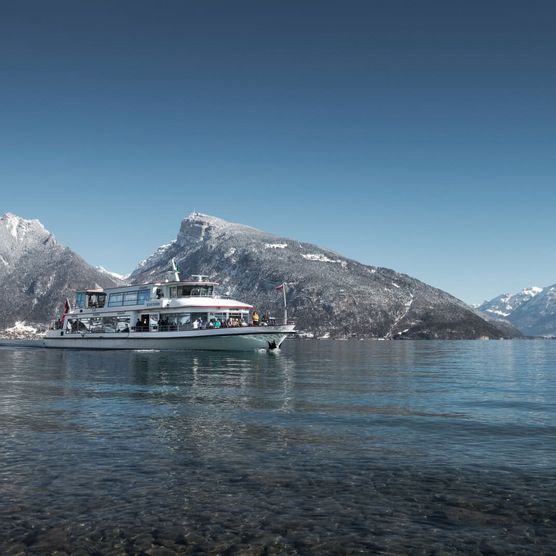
532,310
502,306
328,295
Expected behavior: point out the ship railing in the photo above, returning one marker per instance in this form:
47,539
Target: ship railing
174,327
165,328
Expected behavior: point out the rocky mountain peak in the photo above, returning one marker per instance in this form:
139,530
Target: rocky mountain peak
38,273
532,310
532,291
329,295
198,227
20,230
19,237
536,316
502,306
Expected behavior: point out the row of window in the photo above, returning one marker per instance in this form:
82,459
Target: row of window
152,322
138,297
191,291
99,324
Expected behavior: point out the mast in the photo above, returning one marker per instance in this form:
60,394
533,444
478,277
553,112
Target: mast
175,270
282,287
285,305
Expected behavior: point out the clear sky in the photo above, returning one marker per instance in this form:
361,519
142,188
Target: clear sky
416,135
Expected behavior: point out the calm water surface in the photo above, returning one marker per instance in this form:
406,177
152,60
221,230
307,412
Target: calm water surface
324,448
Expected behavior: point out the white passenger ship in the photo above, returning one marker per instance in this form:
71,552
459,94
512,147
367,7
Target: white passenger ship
165,315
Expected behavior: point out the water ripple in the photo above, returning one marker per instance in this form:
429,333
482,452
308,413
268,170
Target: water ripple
323,448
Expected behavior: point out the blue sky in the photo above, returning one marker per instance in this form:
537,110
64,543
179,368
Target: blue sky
419,136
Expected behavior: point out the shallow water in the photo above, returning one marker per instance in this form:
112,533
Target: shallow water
323,448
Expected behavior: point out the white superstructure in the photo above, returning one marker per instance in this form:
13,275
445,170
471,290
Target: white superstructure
164,315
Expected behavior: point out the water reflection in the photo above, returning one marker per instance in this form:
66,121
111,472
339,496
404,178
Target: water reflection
323,446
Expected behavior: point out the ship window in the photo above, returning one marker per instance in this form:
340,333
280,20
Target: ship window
130,298
96,300
115,299
96,325
202,291
174,321
80,325
143,296
109,324
177,318
218,316
173,291
80,300
203,316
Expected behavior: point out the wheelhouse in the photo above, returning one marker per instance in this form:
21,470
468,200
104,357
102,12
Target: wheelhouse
90,299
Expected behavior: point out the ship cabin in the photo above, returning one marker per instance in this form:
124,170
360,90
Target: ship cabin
158,307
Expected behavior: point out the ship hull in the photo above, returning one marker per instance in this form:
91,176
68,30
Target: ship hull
223,339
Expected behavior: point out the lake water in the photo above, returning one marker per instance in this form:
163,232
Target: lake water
323,448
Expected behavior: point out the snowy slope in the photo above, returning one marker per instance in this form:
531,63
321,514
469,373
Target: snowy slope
327,293
505,304
116,275
537,317
532,310
37,273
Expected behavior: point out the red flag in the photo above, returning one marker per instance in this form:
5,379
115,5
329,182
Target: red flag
66,310
280,287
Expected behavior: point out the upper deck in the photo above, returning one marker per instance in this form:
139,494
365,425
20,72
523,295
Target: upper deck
196,291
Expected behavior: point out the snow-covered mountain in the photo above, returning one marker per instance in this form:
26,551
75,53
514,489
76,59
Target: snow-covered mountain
120,277
537,317
37,273
532,311
328,294
505,304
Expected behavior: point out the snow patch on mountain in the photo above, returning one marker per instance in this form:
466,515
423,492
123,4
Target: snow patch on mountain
505,304
537,317
198,227
15,230
275,245
319,257
121,277
533,310
160,252
18,227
